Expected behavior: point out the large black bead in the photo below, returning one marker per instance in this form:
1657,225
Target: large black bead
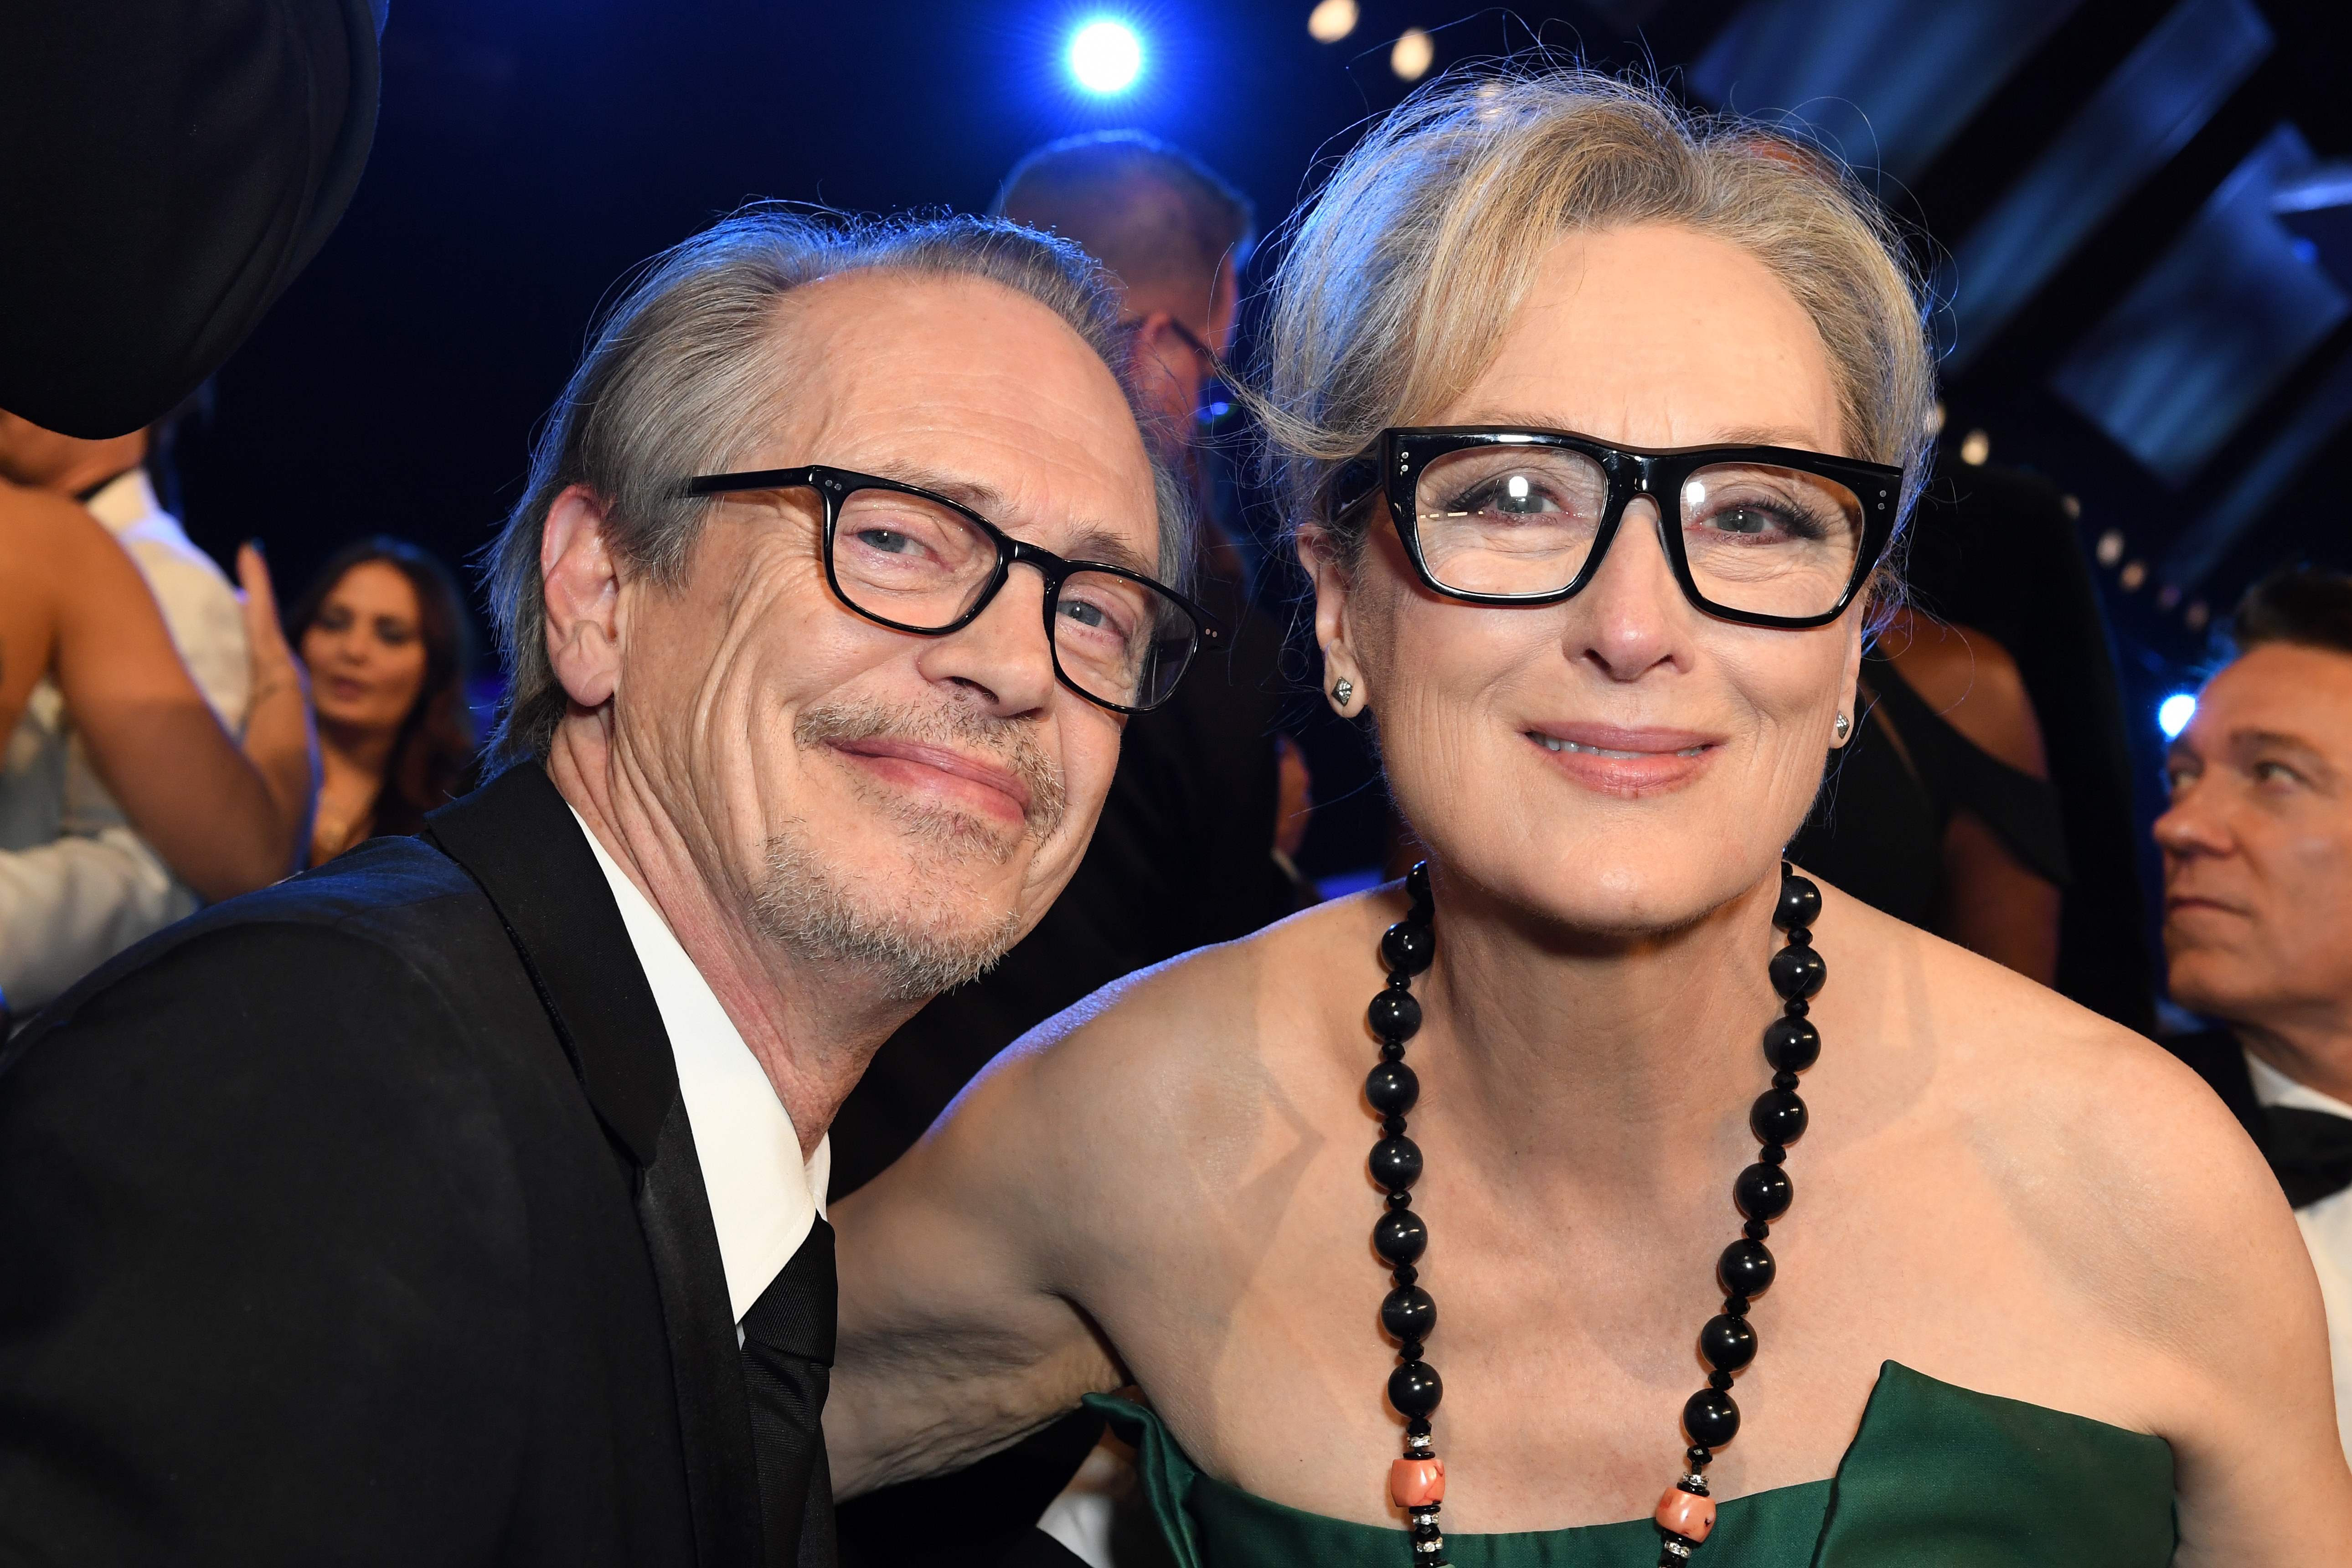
1392,1087
1407,947
1792,1045
1763,1191
1800,902
1414,1390
1728,1342
1777,1117
1796,972
1400,1236
1395,1015
1745,1269
1710,1416
1409,1312
1416,882
1396,1163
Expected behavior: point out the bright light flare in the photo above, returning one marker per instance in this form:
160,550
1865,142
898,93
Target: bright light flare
1412,54
2172,714
1332,21
1106,57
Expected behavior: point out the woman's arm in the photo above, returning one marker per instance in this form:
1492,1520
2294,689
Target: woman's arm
953,1342
226,821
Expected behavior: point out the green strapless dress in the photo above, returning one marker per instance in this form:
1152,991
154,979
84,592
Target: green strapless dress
1937,1477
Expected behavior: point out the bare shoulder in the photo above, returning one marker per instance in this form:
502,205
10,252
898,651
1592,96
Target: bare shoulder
2118,1165
1202,1027
1174,1079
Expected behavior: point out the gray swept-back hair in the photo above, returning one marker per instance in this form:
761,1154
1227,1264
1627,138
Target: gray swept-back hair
681,377
1397,284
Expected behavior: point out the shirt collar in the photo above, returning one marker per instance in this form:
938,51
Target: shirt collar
2272,1087
125,501
763,1200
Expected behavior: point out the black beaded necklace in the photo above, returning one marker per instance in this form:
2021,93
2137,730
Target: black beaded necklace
1710,1419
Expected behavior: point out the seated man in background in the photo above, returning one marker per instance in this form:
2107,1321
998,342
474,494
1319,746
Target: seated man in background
77,885
2258,908
1186,853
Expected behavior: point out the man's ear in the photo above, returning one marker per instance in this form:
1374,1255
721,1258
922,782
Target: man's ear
583,587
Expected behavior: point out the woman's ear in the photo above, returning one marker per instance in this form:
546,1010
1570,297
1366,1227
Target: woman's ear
582,585
1849,707
1343,676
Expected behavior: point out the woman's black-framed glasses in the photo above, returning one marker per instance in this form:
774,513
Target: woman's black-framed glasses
1768,536
916,562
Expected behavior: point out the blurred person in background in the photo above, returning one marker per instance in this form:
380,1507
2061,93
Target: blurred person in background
1939,810
2258,908
382,630
1206,803
82,878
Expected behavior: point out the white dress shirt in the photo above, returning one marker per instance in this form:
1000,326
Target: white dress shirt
764,1200
2326,1232
77,885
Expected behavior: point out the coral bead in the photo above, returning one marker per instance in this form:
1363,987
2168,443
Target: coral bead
1417,1483
1686,1513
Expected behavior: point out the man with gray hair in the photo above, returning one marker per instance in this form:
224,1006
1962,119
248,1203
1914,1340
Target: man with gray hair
463,1201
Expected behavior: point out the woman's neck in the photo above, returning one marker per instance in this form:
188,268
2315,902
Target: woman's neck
354,751
1609,1057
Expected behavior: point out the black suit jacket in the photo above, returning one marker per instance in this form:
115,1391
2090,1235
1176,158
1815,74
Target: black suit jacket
358,1221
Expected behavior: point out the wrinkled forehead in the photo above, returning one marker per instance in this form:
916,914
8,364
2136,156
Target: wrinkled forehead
966,385
2282,688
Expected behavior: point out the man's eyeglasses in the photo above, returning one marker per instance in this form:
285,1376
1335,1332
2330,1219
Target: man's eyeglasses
916,562
1768,536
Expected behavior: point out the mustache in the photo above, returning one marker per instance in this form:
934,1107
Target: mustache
1009,744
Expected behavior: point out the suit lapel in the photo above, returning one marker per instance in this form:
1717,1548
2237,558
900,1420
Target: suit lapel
517,839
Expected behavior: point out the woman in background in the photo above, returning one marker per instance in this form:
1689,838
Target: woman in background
383,632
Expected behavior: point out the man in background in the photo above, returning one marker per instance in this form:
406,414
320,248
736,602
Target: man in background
1194,841
2258,908
77,884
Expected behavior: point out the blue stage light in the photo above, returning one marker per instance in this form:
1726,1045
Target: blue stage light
2172,714
1106,57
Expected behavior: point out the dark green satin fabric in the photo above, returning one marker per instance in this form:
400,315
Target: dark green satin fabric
1937,1477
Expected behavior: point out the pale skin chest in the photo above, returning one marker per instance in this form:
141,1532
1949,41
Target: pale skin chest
1568,1311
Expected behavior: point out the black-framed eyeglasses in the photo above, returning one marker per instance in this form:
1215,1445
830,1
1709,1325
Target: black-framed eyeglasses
1768,536
914,562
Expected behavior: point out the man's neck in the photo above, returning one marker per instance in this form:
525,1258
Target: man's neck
813,1033
2314,1047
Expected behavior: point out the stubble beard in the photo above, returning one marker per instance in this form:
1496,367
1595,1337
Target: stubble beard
905,928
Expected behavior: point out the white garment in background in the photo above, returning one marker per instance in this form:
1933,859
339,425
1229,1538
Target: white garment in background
764,1200
77,885
2326,1231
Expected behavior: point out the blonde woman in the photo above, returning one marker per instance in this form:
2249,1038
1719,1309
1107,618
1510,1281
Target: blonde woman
1745,1224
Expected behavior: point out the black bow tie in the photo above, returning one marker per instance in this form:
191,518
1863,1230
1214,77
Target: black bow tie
2312,1153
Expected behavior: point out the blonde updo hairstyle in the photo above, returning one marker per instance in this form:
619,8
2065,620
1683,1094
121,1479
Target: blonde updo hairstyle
1399,281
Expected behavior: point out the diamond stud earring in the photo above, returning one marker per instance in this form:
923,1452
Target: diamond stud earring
1843,728
1342,689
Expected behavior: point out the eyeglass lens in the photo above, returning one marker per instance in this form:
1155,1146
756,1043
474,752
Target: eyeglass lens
1758,539
905,559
